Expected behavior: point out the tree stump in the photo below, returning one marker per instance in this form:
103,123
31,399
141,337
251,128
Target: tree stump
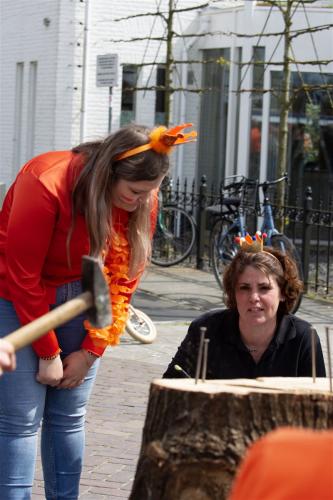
195,435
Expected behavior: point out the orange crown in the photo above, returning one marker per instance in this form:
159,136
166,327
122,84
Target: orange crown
251,243
162,140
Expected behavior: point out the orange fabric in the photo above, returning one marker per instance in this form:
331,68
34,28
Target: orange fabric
33,258
287,464
255,139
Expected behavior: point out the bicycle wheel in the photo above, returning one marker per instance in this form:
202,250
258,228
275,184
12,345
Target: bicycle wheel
285,245
174,236
222,248
140,326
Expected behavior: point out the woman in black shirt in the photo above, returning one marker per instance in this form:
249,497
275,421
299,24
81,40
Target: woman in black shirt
255,336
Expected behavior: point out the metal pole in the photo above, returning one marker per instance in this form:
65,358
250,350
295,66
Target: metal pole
110,110
200,353
201,222
306,236
329,357
313,354
205,358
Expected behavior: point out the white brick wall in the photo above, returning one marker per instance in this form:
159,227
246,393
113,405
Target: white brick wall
58,49
25,38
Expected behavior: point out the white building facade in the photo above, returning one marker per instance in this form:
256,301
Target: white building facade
238,128
49,98
48,52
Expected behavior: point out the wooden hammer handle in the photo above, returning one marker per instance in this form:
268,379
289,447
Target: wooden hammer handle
32,331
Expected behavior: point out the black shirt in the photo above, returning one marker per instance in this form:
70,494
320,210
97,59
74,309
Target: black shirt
288,354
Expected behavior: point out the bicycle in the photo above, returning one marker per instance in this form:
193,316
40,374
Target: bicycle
223,245
174,236
229,221
275,238
140,326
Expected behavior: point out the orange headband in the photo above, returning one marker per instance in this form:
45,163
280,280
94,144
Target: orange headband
162,140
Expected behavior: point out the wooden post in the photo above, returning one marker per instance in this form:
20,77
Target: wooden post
195,435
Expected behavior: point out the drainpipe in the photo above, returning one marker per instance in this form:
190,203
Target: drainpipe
84,72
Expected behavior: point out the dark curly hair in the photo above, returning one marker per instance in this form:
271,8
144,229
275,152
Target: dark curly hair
278,264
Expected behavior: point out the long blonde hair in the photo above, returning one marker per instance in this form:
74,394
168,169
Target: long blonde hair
93,187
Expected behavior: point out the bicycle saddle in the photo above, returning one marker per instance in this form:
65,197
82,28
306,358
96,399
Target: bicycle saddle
227,202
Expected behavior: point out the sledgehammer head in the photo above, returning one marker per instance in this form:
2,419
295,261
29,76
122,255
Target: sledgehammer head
93,280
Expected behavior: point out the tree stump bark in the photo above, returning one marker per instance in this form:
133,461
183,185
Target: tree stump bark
195,435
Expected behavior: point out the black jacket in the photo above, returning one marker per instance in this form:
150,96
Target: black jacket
288,354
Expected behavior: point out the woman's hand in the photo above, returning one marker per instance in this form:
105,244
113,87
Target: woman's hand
50,371
76,366
7,356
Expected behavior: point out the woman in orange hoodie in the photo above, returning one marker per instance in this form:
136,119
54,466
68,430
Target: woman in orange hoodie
98,199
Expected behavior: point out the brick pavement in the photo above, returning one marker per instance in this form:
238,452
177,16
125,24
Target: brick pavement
116,414
117,409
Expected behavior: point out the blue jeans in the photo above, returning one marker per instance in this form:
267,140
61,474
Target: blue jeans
24,403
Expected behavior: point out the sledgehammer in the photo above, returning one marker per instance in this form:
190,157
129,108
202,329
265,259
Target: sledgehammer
95,300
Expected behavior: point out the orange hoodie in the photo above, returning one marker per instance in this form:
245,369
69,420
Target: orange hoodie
34,224
287,464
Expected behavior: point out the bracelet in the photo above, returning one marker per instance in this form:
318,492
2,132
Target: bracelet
89,357
49,358
92,354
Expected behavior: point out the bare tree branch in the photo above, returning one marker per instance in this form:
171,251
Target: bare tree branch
135,16
323,62
294,34
172,89
161,13
312,29
224,61
279,63
253,90
301,88
195,7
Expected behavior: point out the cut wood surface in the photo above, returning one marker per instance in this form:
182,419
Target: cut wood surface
195,435
245,385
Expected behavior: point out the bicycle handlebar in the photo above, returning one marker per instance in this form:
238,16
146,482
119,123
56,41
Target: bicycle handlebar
276,181
242,181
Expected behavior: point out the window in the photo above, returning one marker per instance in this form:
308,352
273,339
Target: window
310,143
256,112
18,116
130,77
31,118
214,115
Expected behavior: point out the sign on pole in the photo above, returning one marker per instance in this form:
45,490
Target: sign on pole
107,70
107,76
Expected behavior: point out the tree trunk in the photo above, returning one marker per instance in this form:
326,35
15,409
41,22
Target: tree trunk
195,435
285,105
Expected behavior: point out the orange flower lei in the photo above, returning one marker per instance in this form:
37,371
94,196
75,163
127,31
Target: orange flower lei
115,272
